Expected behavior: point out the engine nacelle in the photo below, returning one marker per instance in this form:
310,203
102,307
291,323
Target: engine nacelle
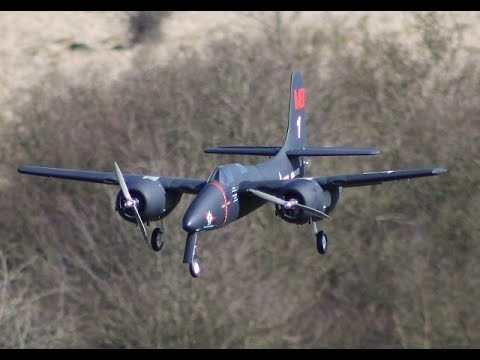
154,202
308,193
331,196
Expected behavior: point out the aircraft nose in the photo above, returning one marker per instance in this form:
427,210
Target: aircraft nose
192,221
205,212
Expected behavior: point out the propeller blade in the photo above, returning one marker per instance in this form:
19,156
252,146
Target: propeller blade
141,225
281,202
122,183
313,211
268,197
130,203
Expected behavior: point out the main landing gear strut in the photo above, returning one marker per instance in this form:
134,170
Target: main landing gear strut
194,265
321,239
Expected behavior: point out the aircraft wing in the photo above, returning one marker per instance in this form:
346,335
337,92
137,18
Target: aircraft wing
349,180
186,185
374,178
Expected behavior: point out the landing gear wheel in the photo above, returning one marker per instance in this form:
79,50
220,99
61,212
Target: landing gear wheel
195,268
322,242
157,240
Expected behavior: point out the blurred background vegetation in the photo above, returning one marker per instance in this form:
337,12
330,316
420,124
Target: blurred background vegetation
403,266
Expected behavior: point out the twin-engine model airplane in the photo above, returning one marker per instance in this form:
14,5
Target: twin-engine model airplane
234,190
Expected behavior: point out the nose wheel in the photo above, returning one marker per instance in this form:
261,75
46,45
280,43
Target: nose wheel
195,268
194,265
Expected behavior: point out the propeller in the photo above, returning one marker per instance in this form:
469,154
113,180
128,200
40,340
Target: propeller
290,204
131,203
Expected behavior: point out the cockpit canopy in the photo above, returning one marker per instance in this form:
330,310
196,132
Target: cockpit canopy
222,175
226,174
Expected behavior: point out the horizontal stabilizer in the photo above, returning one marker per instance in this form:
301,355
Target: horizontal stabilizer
310,151
245,150
332,151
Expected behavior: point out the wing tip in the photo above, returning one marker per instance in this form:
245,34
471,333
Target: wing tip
23,169
439,171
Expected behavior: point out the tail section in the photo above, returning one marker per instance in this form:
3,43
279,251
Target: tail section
296,134
295,144
297,117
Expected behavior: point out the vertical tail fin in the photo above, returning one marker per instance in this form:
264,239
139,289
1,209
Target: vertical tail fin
296,133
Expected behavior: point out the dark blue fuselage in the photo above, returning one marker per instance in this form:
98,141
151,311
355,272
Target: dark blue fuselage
219,203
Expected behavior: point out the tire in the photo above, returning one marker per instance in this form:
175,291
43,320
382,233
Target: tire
322,242
157,239
195,268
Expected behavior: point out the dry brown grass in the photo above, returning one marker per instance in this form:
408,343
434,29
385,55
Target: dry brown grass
35,43
402,269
